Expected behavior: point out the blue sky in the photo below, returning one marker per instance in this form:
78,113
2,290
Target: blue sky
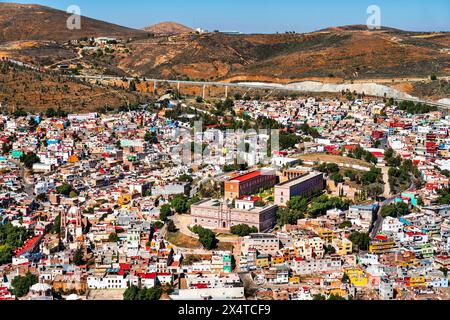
264,16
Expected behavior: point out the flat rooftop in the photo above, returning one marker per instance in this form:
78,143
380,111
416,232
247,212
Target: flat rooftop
215,203
254,174
300,179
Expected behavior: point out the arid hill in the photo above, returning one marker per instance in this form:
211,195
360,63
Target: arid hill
168,28
166,51
35,22
332,55
34,91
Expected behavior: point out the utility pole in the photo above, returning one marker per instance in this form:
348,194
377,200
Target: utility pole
204,91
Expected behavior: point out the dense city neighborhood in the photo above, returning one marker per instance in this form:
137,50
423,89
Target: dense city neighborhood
261,198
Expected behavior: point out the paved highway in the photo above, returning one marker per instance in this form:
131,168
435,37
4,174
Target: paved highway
212,83
236,85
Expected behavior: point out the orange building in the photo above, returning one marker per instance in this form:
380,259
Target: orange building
249,183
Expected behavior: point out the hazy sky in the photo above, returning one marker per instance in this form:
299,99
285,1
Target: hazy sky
264,16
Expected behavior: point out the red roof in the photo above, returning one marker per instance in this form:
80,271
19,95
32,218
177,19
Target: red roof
27,246
247,176
378,154
125,266
164,274
148,275
381,237
250,198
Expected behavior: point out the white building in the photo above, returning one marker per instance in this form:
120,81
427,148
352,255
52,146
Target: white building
107,282
306,267
392,225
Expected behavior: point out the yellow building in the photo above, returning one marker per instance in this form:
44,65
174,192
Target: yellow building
277,260
417,282
381,247
337,292
294,280
262,261
73,159
326,235
124,199
343,246
357,277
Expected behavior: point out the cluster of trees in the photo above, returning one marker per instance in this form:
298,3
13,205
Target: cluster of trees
395,210
299,207
113,237
21,284
66,190
345,224
56,229
308,130
296,210
178,204
52,113
391,159
11,238
416,108
221,108
332,170
29,159
78,257
400,178
328,168
243,230
331,297
288,140
135,293
360,239
151,137
444,196
401,172
320,205
372,176
361,154
235,167
206,237
164,212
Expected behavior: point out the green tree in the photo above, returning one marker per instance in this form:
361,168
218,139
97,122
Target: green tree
164,212
171,227
243,230
395,210
298,204
180,204
78,257
206,237
113,237
21,284
50,113
29,159
56,229
65,189
131,293
6,254
345,224
360,239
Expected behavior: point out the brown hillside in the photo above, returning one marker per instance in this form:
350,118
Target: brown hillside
339,54
33,91
35,22
168,28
